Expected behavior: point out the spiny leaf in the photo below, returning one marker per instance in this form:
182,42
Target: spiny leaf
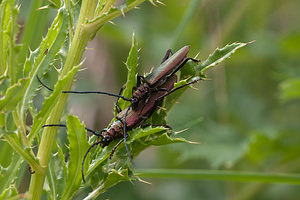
10,192
114,177
10,173
166,139
78,147
62,158
13,96
219,55
140,133
8,32
131,64
51,44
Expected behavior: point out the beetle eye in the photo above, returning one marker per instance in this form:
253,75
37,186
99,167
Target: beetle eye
107,138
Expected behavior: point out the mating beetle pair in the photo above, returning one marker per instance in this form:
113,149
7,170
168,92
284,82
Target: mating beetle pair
146,99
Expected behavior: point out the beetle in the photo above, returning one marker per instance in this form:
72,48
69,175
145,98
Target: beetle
149,84
145,100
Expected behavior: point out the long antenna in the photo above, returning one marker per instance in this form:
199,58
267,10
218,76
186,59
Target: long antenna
85,155
85,92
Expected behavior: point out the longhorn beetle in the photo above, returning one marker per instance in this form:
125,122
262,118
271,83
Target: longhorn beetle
145,100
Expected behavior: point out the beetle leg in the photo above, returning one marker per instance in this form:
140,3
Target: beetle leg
30,170
182,86
182,64
120,92
169,51
115,147
139,80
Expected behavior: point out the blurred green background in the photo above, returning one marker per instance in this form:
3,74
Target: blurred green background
246,117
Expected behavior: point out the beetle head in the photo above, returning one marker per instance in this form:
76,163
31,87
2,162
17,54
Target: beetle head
106,138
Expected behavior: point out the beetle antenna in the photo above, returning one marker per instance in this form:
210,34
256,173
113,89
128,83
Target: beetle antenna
65,126
85,92
85,155
124,133
43,83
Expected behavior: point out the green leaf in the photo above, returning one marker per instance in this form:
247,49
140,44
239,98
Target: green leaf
172,99
191,69
32,33
114,177
13,96
10,193
8,32
131,64
55,178
140,133
52,43
9,174
78,147
219,55
166,139
49,103
290,89
62,159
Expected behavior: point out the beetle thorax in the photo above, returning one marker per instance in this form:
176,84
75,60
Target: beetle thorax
114,132
140,92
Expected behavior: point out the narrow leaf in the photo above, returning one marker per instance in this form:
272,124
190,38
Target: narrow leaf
8,31
52,43
131,64
13,96
219,55
9,174
78,147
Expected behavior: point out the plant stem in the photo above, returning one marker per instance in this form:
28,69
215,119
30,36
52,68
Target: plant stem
220,175
96,24
77,48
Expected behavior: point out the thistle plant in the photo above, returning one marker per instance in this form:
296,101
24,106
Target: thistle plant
62,48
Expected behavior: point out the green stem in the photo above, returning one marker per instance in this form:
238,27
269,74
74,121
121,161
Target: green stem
219,175
78,45
97,23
